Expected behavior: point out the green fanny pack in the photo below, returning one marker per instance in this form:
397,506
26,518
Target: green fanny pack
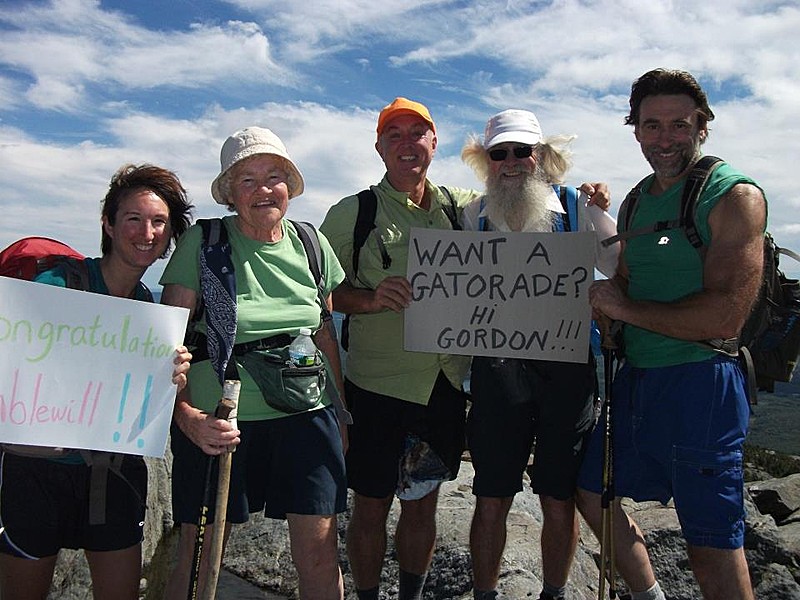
285,386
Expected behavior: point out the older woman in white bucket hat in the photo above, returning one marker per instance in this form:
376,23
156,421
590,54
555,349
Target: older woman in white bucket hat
289,462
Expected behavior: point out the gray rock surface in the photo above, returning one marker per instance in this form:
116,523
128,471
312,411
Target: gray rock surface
258,563
777,497
259,552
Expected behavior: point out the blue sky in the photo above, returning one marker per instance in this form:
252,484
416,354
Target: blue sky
86,86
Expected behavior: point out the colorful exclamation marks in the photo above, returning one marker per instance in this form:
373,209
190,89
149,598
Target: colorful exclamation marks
121,413
143,415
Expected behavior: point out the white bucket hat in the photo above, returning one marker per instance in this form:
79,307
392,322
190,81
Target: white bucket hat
249,142
512,125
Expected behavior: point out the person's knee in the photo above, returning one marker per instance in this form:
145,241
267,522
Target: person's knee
316,560
558,512
721,573
370,512
588,504
556,506
421,510
492,510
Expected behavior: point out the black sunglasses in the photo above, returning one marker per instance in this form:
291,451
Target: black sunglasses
499,154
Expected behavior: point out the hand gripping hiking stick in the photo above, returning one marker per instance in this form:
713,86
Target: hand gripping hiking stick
226,409
607,567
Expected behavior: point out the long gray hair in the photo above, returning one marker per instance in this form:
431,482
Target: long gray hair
552,154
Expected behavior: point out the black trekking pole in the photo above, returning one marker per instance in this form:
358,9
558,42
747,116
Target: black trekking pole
226,406
607,565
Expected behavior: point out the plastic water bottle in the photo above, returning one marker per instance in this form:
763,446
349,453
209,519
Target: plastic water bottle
302,351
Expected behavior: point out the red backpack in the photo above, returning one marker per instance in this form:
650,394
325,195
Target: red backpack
26,258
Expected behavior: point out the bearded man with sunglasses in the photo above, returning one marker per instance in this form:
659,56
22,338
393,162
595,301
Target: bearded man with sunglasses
518,404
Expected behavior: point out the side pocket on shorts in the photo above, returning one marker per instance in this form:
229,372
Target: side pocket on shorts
509,375
708,491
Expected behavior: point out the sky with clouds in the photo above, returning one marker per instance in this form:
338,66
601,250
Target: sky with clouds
88,85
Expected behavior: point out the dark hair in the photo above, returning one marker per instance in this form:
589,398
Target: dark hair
668,81
163,183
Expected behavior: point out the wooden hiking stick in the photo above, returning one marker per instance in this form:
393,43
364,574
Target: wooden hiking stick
230,398
226,409
607,565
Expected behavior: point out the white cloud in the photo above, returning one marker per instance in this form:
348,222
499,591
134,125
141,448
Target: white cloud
77,42
84,89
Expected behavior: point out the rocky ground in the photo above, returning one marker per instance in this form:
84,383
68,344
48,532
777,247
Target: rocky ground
258,565
259,552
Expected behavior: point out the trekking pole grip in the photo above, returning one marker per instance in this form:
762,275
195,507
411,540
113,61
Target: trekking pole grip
606,325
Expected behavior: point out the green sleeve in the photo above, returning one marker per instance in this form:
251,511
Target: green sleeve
183,267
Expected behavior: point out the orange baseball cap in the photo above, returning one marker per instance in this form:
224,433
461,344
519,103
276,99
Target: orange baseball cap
403,106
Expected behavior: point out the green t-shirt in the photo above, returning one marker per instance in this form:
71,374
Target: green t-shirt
376,360
664,267
275,293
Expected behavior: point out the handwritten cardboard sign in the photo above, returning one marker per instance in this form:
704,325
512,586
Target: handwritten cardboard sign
521,295
81,370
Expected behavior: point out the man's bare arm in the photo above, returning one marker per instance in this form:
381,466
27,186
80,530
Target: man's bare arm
732,276
393,293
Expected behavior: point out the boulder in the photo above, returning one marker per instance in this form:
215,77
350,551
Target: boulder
777,497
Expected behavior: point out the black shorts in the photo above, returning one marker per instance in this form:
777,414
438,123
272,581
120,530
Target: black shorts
288,465
44,506
518,402
380,425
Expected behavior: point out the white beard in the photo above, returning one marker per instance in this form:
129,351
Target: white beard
520,202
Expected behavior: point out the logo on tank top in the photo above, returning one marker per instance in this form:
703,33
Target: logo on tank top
663,241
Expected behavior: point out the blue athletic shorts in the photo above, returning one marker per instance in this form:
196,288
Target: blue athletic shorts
292,464
678,433
516,402
44,506
380,425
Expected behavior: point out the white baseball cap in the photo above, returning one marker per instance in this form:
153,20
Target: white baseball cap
512,125
249,142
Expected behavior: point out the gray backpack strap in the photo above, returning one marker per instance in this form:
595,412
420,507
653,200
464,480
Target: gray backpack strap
100,463
695,182
310,239
625,218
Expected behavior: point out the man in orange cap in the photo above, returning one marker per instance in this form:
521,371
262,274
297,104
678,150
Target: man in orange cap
404,403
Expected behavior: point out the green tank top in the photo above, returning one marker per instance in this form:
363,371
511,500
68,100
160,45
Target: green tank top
664,267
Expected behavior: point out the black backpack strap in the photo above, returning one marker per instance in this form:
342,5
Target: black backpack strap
213,233
695,182
562,196
568,197
76,273
450,209
310,238
365,223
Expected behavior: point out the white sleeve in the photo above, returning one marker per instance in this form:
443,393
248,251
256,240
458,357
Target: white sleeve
470,215
593,218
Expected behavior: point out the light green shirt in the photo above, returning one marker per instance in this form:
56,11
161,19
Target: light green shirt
275,293
376,360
